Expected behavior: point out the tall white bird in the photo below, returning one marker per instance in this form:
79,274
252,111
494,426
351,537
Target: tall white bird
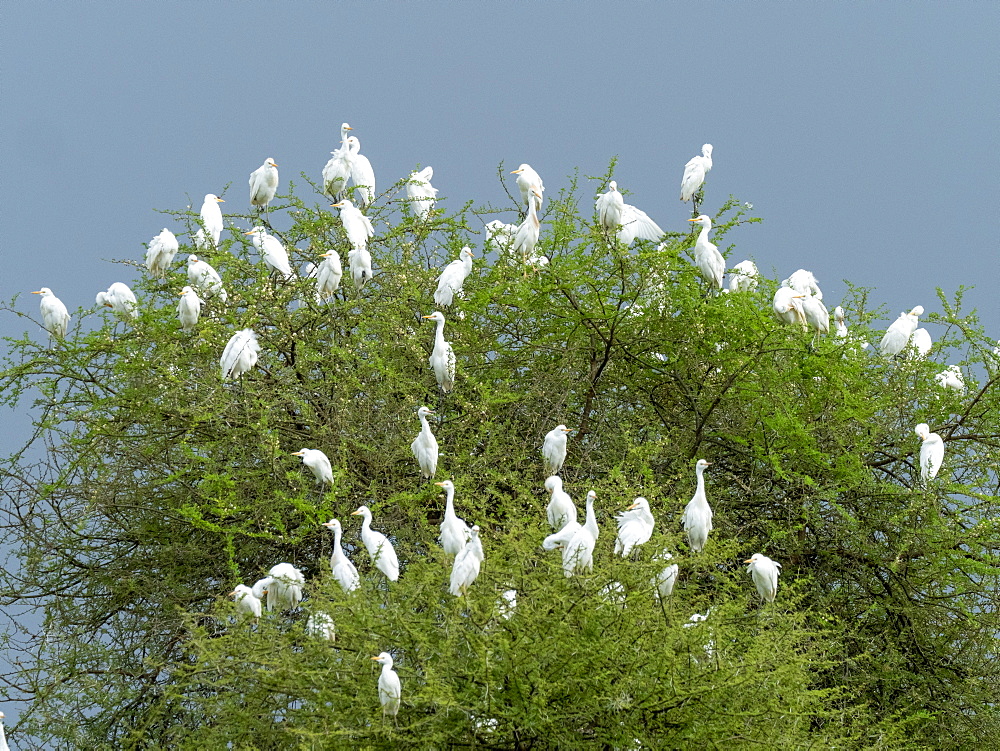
628,222
425,446
697,519
337,171
787,307
920,343
609,207
205,279
764,573
554,449
744,277
560,510
382,553
951,378
667,578
240,354
840,320
360,262
816,315
357,226
343,570
803,282
188,309
635,527
467,564
362,174
420,192
55,316
328,276
389,687
707,257
453,277
442,357
272,252
454,531
320,625
578,552
160,253
695,171
120,299
246,603
897,336
530,185
931,452
283,584
264,183
527,234
208,234
318,463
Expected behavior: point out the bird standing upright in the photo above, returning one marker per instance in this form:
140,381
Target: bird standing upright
382,553
55,316
390,689
707,257
162,249
453,277
554,449
694,174
764,573
697,517
264,183
931,452
425,446
442,357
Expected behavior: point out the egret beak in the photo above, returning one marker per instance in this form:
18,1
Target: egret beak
516,172
568,430
326,524
37,293
430,316
692,220
220,200
355,513
326,255
337,205
748,560
232,594
348,127
375,658
439,484
251,232
298,453
708,462
274,163
179,294
632,507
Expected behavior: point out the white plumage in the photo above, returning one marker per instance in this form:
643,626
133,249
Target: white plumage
920,343
188,309
382,553
665,580
160,254
337,171
527,234
425,446
530,184
343,570
578,551
897,336
707,257
560,510
951,378
744,277
764,573
467,565
554,449
264,183
120,299
240,354
803,282
208,235
628,222
453,277
389,688
271,250
284,584
695,171
318,463
362,174
787,307
205,279
55,316
420,192
697,517
247,604
442,357
328,275
321,625
931,452
454,531
635,527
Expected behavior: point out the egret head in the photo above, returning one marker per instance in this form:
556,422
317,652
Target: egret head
553,483
922,430
447,485
917,311
332,524
270,162
45,291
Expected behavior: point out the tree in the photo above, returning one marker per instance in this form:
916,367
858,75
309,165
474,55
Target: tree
151,487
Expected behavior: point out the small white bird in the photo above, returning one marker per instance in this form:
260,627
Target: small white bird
628,222
897,336
951,378
188,309
931,452
389,688
240,354
284,584
665,580
318,463
920,343
787,307
264,183
707,257
337,171
425,446
527,234
697,517
321,625
454,531
578,551
803,282
500,236
695,171
507,603
467,565
744,277
764,573
357,226
442,357
635,527
360,262
530,184
343,570
208,235
420,192
160,254
382,553
560,510
272,252
120,299
362,174
816,315
205,279
246,603
328,276
453,277
841,323
554,449
55,316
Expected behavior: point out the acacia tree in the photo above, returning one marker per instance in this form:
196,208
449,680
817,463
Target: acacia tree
151,487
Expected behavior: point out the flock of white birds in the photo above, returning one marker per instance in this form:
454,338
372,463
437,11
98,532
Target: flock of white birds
798,302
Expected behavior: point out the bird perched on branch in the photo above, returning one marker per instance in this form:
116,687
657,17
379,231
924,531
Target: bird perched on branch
635,527
264,183
554,449
162,249
694,173
697,517
764,573
453,277
55,316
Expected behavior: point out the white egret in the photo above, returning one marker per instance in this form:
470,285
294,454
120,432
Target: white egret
208,235
188,309
628,222
284,584
318,463
205,279
343,570
931,452
160,254
360,262
897,336
320,624
467,564
264,183
787,307
764,573
707,257
696,618
55,316
420,192
839,319
271,250
240,354
425,446
697,519
530,184
246,603
328,275
454,531
695,171
120,299
667,578
362,174
389,688
609,207
453,277
560,510
554,449
499,236
337,171
357,226
507,603
804,283
442,357
951,378
920,343
527,233
816,315
578,552
744,277
635,527
613,593
382,553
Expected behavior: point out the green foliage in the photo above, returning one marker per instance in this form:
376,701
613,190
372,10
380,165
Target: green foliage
151,487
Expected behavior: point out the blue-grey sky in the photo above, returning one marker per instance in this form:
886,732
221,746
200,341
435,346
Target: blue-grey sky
864,134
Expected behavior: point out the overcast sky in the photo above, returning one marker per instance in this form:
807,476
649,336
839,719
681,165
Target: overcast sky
865,134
